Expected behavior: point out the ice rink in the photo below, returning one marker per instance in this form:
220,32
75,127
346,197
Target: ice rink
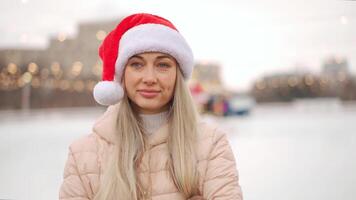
282,151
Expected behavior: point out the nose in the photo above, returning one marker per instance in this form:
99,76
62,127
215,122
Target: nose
149,77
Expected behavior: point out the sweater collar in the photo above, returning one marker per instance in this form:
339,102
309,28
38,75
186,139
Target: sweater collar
105,128
152,122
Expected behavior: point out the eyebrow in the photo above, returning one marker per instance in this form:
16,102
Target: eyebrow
136,56
161,57
158,57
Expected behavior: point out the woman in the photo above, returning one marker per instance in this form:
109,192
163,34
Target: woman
149,144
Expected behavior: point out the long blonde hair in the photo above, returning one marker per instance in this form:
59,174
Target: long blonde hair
120,177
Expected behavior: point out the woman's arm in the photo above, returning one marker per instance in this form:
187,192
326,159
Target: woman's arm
221,179
72,186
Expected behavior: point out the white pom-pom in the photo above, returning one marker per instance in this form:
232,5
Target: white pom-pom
108,92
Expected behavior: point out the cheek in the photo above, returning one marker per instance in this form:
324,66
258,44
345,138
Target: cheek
129,84
169,84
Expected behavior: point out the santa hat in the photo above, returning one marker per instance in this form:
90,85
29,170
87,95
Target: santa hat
138,33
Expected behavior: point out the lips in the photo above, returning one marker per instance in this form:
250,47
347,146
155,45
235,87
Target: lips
148,93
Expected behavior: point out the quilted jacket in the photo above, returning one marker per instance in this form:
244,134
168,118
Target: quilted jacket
218,176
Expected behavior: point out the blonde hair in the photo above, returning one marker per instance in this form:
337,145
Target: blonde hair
120,178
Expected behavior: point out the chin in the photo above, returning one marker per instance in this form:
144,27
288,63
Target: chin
152,106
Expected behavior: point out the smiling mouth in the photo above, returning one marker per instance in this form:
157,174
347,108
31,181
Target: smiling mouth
148,93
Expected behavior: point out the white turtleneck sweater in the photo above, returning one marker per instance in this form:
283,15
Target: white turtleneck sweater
152,122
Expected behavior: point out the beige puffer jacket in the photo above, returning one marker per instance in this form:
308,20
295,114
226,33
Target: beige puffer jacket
216,164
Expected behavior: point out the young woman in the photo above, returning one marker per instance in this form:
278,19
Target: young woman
149,144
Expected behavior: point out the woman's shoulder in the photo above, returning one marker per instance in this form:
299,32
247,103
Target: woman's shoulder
84,158
210,131
208,136
85,143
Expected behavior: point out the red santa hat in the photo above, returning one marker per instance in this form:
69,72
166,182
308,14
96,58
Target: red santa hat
138,33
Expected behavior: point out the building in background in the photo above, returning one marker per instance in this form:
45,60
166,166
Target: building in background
208,75
334,66
335,81
61,75
65,73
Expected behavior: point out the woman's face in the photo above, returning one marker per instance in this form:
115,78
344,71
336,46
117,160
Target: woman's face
149,80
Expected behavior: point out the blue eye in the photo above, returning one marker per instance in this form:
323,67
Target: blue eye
136,64
163,65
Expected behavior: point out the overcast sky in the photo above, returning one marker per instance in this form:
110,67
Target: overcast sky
248,38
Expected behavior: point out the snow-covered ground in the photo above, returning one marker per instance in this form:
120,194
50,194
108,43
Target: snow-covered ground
283,152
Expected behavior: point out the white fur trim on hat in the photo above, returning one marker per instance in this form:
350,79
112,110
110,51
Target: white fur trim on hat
108,92
154,38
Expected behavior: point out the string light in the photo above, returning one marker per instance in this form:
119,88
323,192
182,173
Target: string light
27,77
62,37
293,81
100,35
20,83
77,68
323,81
35,83
8,83
78,86
12,68
32,68
96,70
308,80
261,85
64,85
90,85
55,68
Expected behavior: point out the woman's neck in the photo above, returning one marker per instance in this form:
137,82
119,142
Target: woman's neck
152,122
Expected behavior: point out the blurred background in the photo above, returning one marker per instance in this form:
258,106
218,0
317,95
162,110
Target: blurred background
278,76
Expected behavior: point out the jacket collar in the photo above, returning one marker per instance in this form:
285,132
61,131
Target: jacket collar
105,127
